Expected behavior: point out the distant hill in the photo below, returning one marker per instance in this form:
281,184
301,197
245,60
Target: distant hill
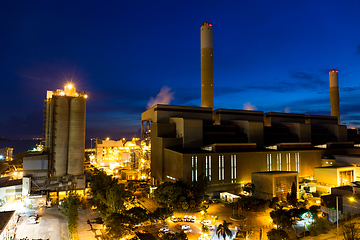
4,139
18,145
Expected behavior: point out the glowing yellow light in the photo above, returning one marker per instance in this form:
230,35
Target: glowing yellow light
69,86
85,96
351,199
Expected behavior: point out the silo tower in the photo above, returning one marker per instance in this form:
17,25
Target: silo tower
64,130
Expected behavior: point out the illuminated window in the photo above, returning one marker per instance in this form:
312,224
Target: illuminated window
194,172
278,161
288,166
233,168
221,167
297,162
208,167
268,161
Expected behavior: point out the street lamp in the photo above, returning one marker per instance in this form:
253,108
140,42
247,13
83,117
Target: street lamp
351,199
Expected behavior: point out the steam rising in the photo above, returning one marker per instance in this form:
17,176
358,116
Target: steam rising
249,106
164,97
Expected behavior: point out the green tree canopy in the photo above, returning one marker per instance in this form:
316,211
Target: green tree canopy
277,234
69,208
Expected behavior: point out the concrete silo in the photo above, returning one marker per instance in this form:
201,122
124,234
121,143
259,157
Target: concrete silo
61,134
64,131
76,151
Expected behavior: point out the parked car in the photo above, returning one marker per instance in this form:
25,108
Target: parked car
193,219
185,218
206,222
174,219
164,229
32,221
182,226
189,219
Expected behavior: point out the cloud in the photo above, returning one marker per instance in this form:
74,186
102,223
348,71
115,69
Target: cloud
249,106
302,75
164,97
349,89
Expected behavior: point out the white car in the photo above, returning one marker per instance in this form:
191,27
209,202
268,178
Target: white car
164,229
206,222
185,226
182,226
193,219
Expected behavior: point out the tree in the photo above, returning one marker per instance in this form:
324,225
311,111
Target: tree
319,226
277,234
223,230
351,231
249,188
314,211
162,213
282,218
69,208
292,196
177,236
274,201
205,229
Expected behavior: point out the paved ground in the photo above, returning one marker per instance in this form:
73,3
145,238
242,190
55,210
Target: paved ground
51,224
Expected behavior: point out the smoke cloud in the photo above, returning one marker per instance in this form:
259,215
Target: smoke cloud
249,106
164,97
287,110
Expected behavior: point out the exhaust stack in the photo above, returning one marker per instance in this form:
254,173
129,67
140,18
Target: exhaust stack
334,94
207,93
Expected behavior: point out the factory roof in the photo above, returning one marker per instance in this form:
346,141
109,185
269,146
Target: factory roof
5,218
6,182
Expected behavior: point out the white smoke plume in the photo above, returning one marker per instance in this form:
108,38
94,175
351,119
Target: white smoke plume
287,110
164,97
249,106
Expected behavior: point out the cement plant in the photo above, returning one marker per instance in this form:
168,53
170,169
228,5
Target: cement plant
251,162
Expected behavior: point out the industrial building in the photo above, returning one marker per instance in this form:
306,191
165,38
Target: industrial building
62,160
228,145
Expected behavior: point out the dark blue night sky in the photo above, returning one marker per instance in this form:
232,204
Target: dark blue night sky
273,56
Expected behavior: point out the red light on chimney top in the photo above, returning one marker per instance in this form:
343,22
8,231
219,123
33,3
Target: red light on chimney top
333,71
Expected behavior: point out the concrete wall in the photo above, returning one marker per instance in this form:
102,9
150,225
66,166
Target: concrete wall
190,130
326,175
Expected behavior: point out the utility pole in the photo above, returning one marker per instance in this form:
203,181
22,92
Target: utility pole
337,217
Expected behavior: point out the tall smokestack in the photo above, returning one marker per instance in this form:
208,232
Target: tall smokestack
207,93
334,94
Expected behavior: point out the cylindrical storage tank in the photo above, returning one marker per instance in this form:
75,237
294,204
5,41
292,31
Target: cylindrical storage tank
76,153
61,135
